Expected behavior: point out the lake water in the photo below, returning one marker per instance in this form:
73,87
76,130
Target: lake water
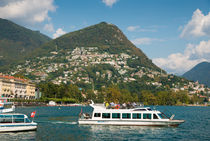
60,123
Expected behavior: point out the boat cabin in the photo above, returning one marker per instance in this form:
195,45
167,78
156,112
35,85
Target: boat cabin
13,118
141,113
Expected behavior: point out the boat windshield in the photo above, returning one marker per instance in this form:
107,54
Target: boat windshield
27,120
162,116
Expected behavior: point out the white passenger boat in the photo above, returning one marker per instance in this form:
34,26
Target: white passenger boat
6,106
138,116
15,122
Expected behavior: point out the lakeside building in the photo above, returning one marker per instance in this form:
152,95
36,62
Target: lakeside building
13,87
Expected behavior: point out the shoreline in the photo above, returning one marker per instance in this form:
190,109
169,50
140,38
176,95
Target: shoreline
42,104
26,104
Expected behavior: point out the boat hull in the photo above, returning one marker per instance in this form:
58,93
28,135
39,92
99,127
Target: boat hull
17,127
131,123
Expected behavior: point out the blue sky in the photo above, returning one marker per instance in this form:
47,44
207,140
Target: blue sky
173,33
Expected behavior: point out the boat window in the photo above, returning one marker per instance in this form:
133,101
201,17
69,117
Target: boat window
155,116
136,115
115,115
105,115
149,109
139,110
9,120
6,106
147,116
5,118
162,116
126,115
97,115
18,120
18,116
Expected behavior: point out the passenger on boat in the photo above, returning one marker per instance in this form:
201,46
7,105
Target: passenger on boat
133,104
124,106
107,105
129,105
112,105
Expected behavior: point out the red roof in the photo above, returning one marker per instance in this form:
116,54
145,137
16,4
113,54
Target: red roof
12,77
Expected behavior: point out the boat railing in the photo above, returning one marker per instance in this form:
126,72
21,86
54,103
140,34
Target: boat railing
124,106
98,104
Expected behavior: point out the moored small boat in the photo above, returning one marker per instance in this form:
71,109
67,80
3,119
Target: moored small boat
137,116
15,122
6,106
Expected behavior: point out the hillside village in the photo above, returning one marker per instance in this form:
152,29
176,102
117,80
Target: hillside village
76,66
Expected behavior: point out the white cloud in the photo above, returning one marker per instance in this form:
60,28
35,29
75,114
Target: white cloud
198,26
28,12
139,29
58,33
109,2
49,27
180,63
132,28
145,41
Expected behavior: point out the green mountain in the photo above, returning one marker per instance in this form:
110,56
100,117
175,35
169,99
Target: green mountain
200,73
17,41
93,58
107,37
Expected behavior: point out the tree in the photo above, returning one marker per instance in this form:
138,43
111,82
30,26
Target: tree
182,97
113,95
163,98
148,98
125,96
74,92
90,95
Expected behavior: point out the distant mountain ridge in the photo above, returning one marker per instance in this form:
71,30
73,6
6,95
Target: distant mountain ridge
107,37
200,73
17,41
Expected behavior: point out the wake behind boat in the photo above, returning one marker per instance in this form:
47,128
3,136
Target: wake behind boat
14,122
137,116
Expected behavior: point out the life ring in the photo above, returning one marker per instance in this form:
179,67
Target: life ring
117,107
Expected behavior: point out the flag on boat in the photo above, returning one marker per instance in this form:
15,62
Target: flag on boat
33,114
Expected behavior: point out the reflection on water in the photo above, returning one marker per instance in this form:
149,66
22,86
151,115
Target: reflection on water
107,132
18,136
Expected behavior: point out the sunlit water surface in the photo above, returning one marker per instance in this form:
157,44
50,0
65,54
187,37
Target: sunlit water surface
60,123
